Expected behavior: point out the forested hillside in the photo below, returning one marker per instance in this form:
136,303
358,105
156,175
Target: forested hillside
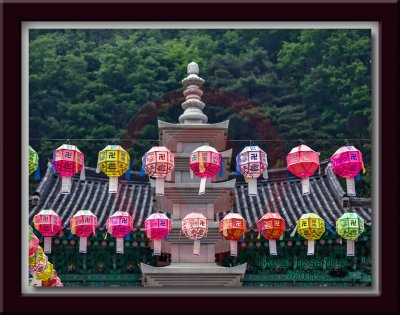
275,85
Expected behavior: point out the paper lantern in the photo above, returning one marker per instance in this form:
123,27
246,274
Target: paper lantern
119,225
251,163
48,223
158,162
68,161
271,226
347,163
311,227
113,161
205,162
83,224
37,264
33,242
303,162
33,160
195,227
157,227
350,226
46,273
232,227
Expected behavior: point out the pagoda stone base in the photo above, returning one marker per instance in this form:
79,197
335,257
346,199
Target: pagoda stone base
192,274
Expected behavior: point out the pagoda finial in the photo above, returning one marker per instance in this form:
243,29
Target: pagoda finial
193,105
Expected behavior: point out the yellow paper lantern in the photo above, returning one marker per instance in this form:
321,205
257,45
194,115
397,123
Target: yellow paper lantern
113,161
311,226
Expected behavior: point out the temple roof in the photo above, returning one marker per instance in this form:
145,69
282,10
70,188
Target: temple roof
280,193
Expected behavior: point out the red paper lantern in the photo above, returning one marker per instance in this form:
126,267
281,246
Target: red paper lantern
48,223
195,227
271,226
205,162
157,227
67,161
347,163
232,227
83,224
119,225
159,162
302,162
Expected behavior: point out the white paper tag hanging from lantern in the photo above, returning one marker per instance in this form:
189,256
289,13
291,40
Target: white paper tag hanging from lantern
272,247
252,186
83,245
47,245
310,247
351,187
66,183
168,178
196,248
82,175
202,188
305,185
120,245
160,186
350,248
113,185
157,247
234,246
265,174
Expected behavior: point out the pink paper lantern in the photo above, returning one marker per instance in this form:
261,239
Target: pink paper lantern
347,163
195,227
232,227
252,162
48,223
67,161
302,162
205,162
33,242
159,163
119,225
271,226
83,224
157,227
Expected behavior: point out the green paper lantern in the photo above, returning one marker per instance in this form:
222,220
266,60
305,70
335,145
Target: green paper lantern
350,226
33,160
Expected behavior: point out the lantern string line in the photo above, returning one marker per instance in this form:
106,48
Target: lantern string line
234,140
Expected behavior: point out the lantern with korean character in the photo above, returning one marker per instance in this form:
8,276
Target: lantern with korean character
251,163
45,275
83,224
205,162
119,225
195,227
232,227
48,223
157,227
33,160
33,242
350,226
310,226
113,161
37,264
158,162
67,161
347,163
302,162
271,226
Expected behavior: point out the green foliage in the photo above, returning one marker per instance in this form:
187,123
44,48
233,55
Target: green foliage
271,84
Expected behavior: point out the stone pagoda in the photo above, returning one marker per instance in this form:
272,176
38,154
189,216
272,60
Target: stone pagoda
182,197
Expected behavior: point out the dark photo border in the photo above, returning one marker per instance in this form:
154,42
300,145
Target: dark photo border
13,14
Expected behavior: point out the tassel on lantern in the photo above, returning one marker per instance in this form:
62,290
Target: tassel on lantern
305,185
47,245
294,231
83,245
66,183
113,185
202,188
37,173
221,166
128,172
350,248
252,186
120,245
310,247
128,237
234,249
157,247
358,177
98,166
142,172
191,174
160,186
196,248
351,187
82,175
272,247
237,164
265,174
